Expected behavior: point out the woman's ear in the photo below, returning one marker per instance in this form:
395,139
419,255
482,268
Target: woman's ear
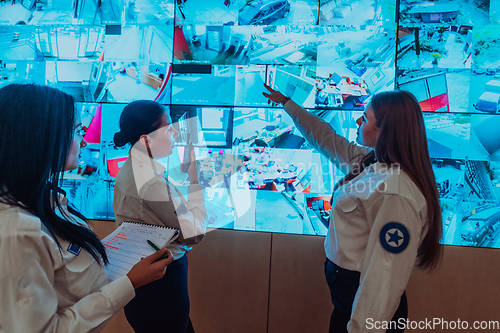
145,140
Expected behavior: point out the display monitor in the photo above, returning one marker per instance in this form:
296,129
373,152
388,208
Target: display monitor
207,61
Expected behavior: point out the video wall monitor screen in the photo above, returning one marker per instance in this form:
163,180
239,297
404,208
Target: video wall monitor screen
207,62
444,57
255,12
356,46
448,135
356,13
140,43
284,45
297,82
217,87
12,71
18,43
443,13
210,127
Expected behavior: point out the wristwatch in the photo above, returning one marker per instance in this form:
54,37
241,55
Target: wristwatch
284,100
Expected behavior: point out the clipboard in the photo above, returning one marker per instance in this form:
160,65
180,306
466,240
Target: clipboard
128,244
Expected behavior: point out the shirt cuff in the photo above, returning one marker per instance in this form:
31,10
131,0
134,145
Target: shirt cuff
119,292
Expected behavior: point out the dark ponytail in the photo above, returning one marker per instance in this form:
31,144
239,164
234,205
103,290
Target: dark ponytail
138,118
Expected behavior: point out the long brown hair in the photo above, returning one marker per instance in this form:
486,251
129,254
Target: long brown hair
402,140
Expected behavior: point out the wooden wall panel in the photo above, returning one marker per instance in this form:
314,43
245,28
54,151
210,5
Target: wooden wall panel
229,282
230,273
299,297
465,287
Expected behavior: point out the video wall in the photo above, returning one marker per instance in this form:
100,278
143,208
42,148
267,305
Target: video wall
206,61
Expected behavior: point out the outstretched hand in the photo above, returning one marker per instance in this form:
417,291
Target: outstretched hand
274,96
193,170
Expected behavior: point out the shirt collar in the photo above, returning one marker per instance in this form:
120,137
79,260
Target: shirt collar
380,168
140,157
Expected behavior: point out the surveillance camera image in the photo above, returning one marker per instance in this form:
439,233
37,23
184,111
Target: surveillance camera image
259,127
297,82
84,186
109,82
249,83
210,127
484,138
438,90
484,93
149,11
275,170
480,225
450,179
444,12
271,207
152,43
356,46
448,135
485,47
206,62
250,12
70,42
60,12
13,71
431,47
84,80
127,82
278,12
201,12
283,45
18,43
350,88
356,12
210,85
222,45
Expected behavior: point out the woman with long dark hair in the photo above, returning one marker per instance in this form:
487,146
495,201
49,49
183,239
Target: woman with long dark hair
52,275
144,194
386,216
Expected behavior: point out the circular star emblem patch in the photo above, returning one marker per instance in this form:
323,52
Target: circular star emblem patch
394,237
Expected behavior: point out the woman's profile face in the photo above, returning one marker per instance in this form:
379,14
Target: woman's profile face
162,140
368,130
78,142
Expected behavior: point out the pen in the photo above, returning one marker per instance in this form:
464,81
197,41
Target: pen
153,245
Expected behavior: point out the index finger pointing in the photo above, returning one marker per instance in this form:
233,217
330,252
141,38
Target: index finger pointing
271,90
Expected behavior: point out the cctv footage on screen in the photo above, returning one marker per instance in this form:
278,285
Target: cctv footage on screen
207,62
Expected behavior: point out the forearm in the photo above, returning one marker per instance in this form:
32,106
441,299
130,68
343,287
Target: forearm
324,138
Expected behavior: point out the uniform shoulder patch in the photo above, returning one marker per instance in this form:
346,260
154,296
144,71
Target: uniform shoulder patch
394,237
74,249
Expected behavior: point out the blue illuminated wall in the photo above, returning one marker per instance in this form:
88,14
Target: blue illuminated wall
209,59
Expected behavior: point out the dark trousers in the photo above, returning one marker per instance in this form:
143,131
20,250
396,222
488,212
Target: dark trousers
343,286
163,305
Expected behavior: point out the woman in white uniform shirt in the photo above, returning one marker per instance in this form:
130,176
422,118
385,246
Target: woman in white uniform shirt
52,275
143,194
386,215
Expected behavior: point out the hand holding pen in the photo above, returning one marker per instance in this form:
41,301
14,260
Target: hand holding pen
150,269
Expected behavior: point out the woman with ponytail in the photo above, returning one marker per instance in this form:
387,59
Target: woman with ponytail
386,216
52,275
144,194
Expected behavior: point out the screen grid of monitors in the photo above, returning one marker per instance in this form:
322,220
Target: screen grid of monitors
207,61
